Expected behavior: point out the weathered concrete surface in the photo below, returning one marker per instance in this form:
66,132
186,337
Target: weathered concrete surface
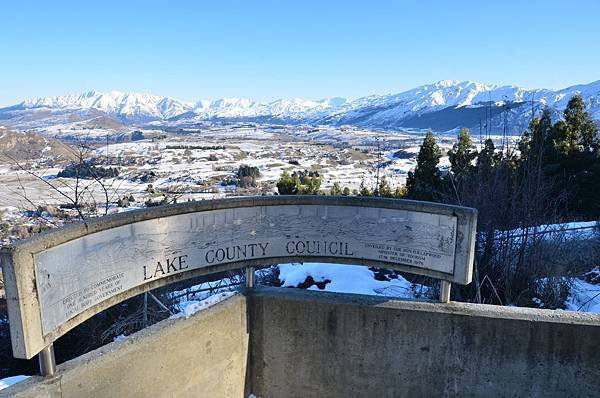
315,344
34,387
202,356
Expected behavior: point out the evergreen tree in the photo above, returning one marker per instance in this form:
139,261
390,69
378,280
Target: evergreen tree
487,159
580,124
384,188
543,129
462,155
424,183
400,192
248,171
562,142
576,133
364,190
288,185
533,142
336,190
311,186
572,160
524,143
584,167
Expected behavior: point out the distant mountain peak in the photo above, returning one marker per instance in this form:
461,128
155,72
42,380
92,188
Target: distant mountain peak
407,109
449,83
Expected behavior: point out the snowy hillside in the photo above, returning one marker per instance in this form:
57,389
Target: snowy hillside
443,106
449,104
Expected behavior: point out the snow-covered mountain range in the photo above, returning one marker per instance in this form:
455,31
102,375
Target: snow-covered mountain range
443,106
132,106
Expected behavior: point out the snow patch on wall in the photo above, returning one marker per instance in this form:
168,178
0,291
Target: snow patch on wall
189,308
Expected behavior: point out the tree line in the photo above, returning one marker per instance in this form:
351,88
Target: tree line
551,176
559,162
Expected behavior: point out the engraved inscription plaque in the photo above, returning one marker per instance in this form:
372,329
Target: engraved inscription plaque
78,274
55,281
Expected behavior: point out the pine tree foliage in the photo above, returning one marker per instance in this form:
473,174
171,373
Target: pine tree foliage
311,186
487,159
580,126
336,189
364,190
576,133
288,185
462,155
554,177
384,189
571,159
425,182
301,182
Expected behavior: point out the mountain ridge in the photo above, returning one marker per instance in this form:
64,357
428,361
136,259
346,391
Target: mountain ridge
415,108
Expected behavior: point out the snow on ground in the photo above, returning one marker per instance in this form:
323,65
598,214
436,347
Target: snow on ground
342,278
178,167
179,164
9,213
9,381
573,230
188,308
585,296
582,230
349,279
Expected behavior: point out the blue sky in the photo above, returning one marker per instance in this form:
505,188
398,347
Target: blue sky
310,49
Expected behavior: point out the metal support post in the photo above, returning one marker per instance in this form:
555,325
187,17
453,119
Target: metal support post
445,288
145,309
47,361
250,277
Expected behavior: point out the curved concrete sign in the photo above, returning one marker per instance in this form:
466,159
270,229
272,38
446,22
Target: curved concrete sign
57,280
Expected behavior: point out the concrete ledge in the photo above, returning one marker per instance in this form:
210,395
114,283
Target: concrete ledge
34,387
315,344
318,344
454,307
75,230
204,355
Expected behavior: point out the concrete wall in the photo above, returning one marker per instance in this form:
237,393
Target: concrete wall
315,344
202,356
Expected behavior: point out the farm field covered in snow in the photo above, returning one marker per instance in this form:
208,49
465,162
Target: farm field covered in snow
200,164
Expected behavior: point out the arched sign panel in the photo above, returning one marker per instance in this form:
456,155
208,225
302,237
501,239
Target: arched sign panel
57,280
